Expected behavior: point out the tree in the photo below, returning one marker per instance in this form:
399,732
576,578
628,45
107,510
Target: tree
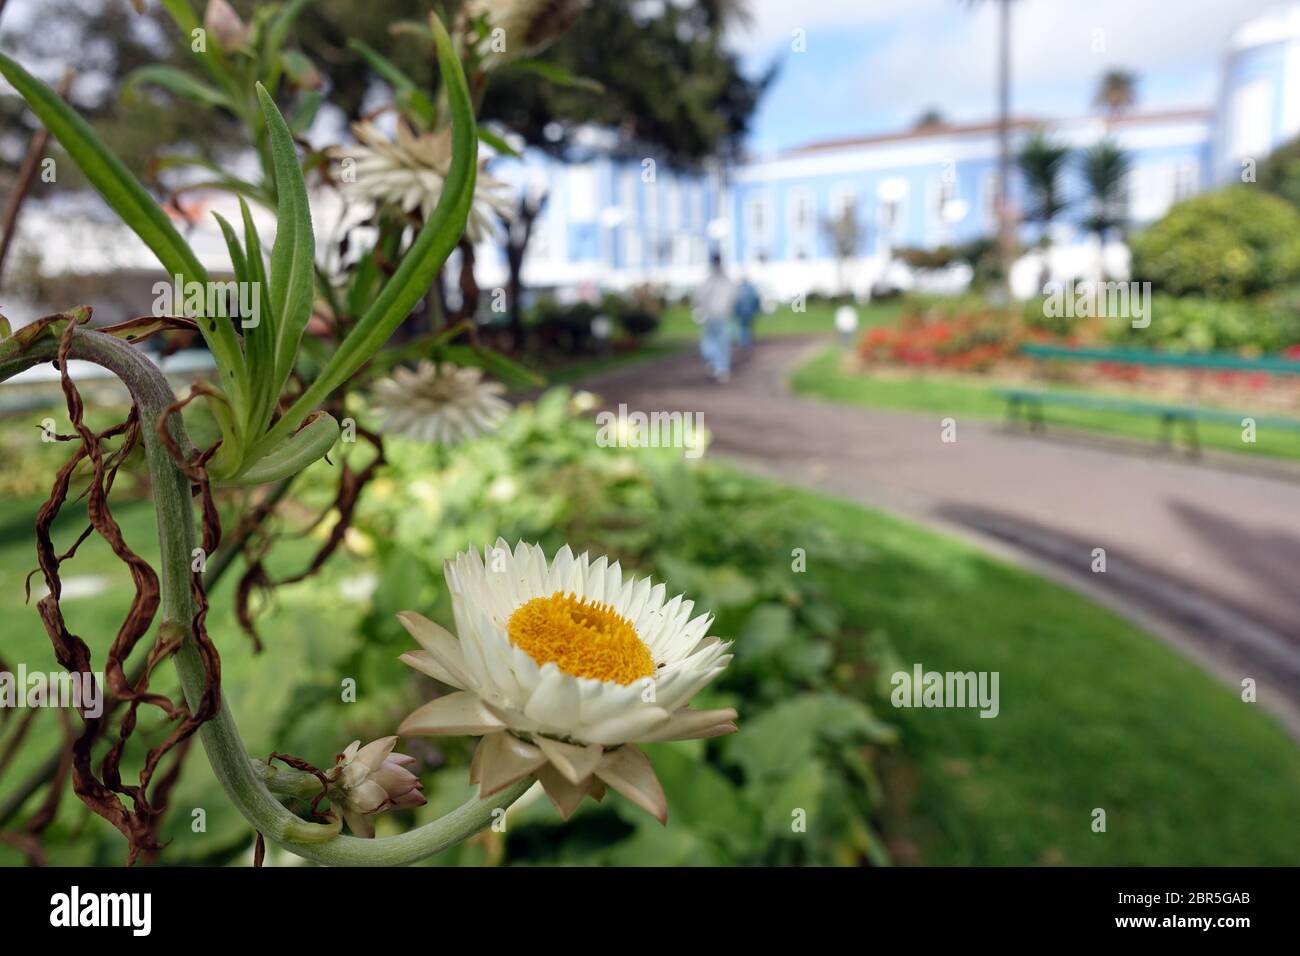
668,82
518,229
1006,225
1279,173
1117,93
670,86
1042,161
930,117
1104,167
845,233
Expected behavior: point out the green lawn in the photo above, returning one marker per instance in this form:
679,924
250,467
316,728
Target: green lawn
1094,713
678,332
823,376
817,319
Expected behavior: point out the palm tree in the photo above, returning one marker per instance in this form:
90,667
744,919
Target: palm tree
1117,93
1104,168
1042,161
1006,228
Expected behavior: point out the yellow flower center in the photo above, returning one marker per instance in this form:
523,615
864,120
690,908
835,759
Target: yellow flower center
581,638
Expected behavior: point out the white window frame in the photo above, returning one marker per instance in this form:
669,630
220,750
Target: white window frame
800,239
758,239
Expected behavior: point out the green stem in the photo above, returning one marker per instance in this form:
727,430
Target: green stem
177,538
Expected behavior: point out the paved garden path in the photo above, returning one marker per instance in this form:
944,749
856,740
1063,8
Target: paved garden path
1205,556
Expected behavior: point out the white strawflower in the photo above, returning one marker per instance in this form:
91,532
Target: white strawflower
563,667
409,173
445,403
372,779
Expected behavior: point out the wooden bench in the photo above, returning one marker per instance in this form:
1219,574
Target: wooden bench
1026,404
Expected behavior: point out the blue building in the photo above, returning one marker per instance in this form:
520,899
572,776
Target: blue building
618,223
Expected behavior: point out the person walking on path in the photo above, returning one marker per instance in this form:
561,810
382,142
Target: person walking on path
747,306
713,306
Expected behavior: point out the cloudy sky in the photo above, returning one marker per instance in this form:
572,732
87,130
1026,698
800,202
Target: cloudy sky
875,65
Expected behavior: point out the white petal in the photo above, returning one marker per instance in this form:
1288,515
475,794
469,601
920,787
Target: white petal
629,772
505,759
454,715
576,763
690,724
426,663
564,795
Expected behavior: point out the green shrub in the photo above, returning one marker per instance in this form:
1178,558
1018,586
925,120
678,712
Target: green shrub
1198,324
804,678
564,328
1264,324
1225,244
637,313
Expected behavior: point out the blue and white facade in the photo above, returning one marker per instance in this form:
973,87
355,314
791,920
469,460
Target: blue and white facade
617,223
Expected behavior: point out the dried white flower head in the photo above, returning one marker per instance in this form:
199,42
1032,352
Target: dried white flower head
372,779
563,667
409,173
445,403
527,26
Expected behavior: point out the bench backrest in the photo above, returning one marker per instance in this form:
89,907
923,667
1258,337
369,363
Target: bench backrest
1219,360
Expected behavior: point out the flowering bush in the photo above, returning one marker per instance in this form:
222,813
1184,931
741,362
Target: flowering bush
561,663
964,341
708,532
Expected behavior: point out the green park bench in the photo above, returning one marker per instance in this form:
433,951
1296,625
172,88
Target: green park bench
1026,404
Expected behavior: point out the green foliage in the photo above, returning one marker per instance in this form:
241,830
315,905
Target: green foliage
1042,161
726,544
1104,167
1198,324
1225,244
1279,173
637,312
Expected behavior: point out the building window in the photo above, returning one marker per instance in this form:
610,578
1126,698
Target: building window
799,222
843,197
758,224
943,192
674,202
891,195
630,176
632,249
582,193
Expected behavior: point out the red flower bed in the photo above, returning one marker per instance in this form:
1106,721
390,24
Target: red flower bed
965,342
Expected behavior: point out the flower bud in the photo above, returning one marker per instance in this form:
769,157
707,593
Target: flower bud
372,779
222,22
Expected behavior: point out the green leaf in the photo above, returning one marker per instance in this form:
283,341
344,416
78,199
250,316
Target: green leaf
312,442
279,29
210,56
237,261
293,277
512,373
128,199
304,111
176,81
413,99
259,341
414,277
557,75
497,143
